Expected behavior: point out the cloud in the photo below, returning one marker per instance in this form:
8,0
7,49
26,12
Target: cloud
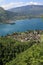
11,5
35,3
18,4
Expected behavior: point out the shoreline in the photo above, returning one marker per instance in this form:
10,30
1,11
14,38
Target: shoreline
28,31
25,36
10,21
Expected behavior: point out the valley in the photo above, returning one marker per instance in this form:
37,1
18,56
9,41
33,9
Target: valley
21,35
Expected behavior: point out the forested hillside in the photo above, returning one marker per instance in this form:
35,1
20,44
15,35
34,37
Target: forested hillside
32,56
13,52
3,15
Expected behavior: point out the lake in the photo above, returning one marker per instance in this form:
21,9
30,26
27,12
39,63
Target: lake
21,26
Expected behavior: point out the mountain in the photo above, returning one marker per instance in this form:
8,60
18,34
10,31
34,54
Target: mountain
6,16
3,15
28,10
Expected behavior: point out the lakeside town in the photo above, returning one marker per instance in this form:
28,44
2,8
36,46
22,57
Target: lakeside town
21,32
26,36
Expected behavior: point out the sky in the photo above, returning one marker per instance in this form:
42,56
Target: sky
7,4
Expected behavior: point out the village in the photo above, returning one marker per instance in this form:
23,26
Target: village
27,36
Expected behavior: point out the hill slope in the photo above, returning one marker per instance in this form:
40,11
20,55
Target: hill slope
32,56
3,15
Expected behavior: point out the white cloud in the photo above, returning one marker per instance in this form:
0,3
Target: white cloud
18,4
33,3
11,5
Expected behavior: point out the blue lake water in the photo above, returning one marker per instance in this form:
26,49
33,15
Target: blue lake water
21,26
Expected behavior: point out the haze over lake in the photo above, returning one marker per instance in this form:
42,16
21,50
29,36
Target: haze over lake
21,26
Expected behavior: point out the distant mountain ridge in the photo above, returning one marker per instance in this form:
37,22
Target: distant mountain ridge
20,13
29,9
